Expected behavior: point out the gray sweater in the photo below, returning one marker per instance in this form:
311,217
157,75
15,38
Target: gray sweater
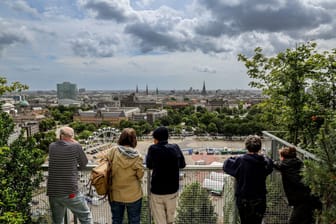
64,158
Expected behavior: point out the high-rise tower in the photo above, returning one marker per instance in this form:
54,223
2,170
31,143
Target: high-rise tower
67,90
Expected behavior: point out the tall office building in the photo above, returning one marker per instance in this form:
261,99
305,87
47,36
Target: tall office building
67,90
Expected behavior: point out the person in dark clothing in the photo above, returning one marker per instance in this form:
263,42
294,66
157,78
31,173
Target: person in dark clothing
250,171
298,194
165,160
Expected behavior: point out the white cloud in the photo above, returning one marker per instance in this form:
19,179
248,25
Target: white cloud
115,43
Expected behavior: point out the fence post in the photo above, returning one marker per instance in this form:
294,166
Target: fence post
148,195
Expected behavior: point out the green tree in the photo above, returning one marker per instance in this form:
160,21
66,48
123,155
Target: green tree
14,86
84,134
43,140
320,174
20,176
284,78
19,167
47,124
6,128
212,128
195,206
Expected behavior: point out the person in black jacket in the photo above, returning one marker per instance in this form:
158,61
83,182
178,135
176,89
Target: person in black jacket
250,171
165,160
298,194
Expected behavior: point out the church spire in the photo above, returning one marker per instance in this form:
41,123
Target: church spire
204,92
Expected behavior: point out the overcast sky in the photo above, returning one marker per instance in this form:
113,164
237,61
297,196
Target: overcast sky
167,44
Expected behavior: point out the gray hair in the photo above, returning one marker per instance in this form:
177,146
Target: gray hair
67,131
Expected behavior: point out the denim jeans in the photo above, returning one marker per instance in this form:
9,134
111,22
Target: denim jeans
133,211
76,204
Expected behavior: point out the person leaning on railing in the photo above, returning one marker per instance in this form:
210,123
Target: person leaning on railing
165,160
62,187
298,195
250,171
127,174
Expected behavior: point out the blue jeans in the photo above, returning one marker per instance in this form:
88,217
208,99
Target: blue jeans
133,211
76,204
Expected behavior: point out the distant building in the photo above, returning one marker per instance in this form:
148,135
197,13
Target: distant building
67,90
81,90
31,128
111,115
8,108
174,104
151,115
213,104
143,102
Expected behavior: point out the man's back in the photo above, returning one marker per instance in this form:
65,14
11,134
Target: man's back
165,160
64,157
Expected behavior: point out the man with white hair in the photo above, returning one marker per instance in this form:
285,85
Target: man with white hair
65,155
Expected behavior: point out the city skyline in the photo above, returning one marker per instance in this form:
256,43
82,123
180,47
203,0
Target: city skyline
177,44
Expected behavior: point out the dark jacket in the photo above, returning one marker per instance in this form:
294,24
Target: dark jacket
250,171
166,160
295,190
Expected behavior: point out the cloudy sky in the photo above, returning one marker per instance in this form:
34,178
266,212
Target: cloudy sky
167,44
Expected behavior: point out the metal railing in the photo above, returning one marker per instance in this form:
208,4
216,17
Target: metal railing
212,179
219,188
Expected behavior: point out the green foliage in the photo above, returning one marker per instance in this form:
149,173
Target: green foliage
6,128
320,175
43,140
285,79
195,206
63,114
47,124
12,218
84,134
19,167
15,86
19,176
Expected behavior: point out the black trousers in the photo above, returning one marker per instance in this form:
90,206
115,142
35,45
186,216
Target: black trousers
302,214
251,211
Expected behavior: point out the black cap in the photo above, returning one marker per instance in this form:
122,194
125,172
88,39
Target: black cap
161,134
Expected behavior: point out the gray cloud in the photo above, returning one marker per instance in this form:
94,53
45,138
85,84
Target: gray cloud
10,35
94,45
22,6
151,38
260,15
119,11
166,29
29,69
205,69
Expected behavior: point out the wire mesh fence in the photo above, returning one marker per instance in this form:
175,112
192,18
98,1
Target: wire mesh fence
206,195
